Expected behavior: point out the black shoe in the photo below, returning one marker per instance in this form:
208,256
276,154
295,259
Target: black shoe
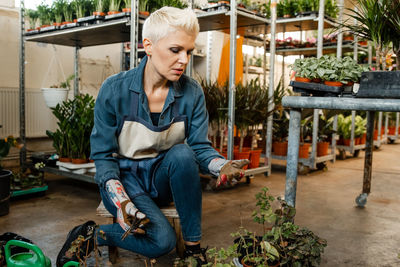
82,237
199,256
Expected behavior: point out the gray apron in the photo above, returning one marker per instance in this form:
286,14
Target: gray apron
142,146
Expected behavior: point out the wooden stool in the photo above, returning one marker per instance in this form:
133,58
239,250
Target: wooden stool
169,212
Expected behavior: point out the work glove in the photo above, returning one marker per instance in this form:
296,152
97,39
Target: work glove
128,216
227,170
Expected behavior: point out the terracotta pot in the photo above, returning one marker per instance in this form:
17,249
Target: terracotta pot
363,139
113,12
375,134
79,161
280,148
348,38
287,16
357,141
316,80
242,155
363,43
57,23
346,142
144,13
224,2
75,20
392,130
99,13
255,158
64,159
44,26
351,83
322,149
303,150
302,79
333,83
91,161
126,10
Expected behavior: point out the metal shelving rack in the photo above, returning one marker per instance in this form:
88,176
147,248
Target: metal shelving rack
127,29
302,24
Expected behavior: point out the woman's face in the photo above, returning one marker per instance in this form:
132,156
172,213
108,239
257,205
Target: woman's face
170,55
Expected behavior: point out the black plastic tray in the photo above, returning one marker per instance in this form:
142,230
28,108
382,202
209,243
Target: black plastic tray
379,84
316,89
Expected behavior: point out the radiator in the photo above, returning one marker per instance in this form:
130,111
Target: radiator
38,116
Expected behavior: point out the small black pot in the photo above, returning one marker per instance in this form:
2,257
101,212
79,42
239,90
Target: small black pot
5,177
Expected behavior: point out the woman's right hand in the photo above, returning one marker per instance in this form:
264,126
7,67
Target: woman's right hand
127,213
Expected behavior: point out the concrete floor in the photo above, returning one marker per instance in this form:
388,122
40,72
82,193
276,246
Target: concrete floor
325,204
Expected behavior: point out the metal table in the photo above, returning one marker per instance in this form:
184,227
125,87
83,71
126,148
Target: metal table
296,103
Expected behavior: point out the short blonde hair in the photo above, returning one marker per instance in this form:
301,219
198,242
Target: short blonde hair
169,19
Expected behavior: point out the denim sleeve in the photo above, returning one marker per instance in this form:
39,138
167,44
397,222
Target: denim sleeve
198,132
103,140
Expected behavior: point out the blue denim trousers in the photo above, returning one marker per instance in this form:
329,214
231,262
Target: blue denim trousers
176,179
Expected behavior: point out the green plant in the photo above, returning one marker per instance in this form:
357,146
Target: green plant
128,3
80,7
306,5
33,17
99,5
114,5
360,126
325,125
306,67
58,10
31,177
68,12
144,5
44,14
289,7
5,145
65,84
280,128
344,126
331,8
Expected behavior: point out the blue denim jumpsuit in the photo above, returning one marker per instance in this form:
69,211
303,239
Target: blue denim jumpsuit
169,175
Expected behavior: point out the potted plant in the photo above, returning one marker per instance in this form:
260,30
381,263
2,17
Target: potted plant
325,131
330,70
344,128
360,130
305,69
144,8
114,7
280,133
68,12
61,141
44,15
99,6
127,7
81,124
5,175
80,8
58,10
57,93
33,16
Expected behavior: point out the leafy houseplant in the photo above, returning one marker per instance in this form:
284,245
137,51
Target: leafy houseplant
44,14
68,12
80,8
58,10
127,7
99,6
305,68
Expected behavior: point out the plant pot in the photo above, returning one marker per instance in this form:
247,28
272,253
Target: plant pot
316,80
363,139
5,177
322,149
287,16
126,10
357,141
79,161
392,130
303,150
57,23
54,96
242,155
302,79
280,148
346,142
98,13
144,13
333,83
375,134
255,158
113,12
64,159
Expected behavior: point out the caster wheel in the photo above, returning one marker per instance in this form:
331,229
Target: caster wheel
342,154
302,169
322,166
391,141
356,153
361,200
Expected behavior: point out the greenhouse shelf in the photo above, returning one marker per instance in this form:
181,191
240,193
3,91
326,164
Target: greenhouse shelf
309,51
310,163
302,23
108,32
82,177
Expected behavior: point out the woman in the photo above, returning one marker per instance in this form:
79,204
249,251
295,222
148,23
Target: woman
149,143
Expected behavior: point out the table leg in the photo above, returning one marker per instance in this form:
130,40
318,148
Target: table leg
292,157
361,200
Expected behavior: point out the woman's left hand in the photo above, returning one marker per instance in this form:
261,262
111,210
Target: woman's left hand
231,170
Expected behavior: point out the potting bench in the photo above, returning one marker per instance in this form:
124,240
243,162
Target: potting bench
296,103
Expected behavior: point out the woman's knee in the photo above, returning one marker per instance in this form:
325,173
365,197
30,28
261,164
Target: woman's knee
182,155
